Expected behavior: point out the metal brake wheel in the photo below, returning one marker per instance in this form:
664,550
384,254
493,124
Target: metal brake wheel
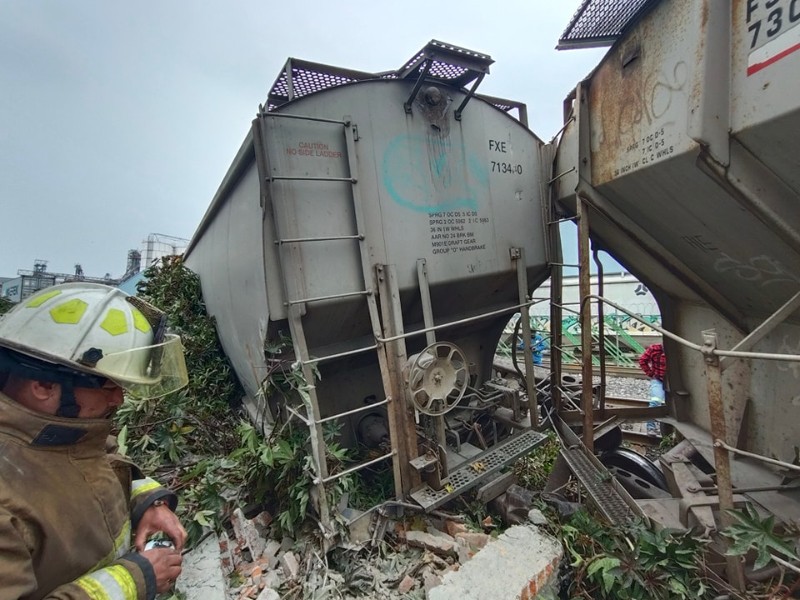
437,378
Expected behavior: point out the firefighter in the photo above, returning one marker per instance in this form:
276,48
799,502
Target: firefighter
69,507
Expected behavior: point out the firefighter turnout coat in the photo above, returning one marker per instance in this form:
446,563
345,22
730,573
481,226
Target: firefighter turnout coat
67,509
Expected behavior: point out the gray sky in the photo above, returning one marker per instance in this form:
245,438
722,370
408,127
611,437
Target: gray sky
119,119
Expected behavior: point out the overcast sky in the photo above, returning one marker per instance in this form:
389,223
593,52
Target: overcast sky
119,119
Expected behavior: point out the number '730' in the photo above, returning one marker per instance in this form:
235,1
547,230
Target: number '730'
775,21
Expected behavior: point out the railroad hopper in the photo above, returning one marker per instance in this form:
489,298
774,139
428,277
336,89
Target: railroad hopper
362,209
681,151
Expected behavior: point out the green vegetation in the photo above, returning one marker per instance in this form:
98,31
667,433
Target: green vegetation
184,439
5,305
750,532
197,442
533,470
632,562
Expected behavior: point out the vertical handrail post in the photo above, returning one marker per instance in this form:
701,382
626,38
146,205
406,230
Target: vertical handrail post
722,465
587,398
518,257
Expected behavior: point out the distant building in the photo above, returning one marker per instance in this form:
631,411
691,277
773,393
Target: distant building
156,246
159,245
28,283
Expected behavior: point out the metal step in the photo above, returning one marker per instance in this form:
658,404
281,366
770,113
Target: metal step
599,484
477,469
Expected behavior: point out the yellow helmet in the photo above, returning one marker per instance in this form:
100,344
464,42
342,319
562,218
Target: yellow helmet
98,331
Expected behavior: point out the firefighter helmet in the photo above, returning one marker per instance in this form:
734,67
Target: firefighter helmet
95,330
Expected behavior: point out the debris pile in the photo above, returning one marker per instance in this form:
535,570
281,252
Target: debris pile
412,558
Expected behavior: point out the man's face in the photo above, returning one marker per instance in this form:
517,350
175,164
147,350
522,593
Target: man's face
98,403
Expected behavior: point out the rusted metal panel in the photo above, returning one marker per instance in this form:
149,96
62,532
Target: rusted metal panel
640,93
712,226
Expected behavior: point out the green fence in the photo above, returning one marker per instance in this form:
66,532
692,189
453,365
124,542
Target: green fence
625,338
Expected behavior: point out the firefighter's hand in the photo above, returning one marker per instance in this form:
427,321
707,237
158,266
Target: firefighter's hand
166,565
160,519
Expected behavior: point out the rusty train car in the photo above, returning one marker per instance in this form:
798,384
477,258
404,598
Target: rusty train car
679,153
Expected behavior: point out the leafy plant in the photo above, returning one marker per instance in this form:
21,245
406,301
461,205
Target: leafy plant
370,488
533,470
632,562
5,305
184,438
196,441
752,532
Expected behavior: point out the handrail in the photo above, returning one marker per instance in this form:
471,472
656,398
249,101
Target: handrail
358,467
692,345
493,313
355,411
318,359
307,118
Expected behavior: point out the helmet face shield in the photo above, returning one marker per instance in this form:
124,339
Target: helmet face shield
149,371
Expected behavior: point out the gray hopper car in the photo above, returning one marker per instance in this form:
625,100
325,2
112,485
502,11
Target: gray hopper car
368,206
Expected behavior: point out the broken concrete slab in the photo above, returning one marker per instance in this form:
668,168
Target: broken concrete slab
440,534
520,564
437,545
271,553
248,533
202,577
536,517
272,579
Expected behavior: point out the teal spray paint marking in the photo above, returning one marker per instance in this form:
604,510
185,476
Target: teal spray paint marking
416,173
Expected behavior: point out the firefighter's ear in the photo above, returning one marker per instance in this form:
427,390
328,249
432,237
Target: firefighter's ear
41,396
44,391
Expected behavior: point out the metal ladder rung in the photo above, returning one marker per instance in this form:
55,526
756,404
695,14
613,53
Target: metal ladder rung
358,467
312,361
366,407
319,239
309,178
354,411
331,297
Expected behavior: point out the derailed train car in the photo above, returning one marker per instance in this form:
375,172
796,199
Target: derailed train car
389,224
680,155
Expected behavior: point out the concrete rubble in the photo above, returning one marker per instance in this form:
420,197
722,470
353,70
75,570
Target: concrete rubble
419,559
